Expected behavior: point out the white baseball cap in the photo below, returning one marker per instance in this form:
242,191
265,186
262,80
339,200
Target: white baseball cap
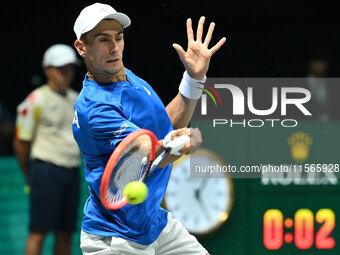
91,15
59,55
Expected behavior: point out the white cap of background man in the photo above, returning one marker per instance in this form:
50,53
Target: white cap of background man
91,15
59,55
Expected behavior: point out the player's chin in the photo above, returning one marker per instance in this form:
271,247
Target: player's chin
113,68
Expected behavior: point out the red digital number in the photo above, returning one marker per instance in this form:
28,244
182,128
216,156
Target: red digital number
304,229
273,226
273,229
322,239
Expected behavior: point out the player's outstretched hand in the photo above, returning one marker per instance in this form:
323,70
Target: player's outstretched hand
196,58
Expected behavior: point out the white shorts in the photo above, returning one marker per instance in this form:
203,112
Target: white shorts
174,240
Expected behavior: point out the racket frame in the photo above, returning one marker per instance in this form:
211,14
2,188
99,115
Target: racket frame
113,160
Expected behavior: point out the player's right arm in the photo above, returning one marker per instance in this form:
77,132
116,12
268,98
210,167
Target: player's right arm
196,61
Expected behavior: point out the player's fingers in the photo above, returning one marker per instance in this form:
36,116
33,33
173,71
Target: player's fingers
200,29
179,132
179,50
196,134
195,139
195,130
199,137
190,33
209,34
218,45
186,149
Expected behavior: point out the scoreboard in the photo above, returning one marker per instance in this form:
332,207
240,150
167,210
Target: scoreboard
292,212
297,211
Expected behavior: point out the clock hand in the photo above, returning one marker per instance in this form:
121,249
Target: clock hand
204,209
198,191
203,184
201,202
197,194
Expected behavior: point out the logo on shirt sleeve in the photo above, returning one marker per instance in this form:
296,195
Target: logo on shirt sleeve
122,128
75,119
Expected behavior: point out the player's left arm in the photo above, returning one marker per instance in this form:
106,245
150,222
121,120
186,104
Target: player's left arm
196,61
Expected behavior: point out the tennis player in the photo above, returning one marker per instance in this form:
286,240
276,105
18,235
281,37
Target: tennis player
115,102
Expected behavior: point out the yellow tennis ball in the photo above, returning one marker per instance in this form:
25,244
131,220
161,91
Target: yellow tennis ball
27,189
136,192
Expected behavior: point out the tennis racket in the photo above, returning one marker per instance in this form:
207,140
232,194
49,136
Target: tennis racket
133,160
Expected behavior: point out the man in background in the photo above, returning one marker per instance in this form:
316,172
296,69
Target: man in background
317,68
47,153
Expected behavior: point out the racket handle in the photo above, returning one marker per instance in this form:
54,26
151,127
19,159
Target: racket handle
172,148
177,144
156,162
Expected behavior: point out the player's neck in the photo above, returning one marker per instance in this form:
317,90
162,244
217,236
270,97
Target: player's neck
107,78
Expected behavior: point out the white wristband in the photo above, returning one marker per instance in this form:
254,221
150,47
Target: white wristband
190,87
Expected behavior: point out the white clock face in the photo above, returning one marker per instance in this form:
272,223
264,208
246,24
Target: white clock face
201,204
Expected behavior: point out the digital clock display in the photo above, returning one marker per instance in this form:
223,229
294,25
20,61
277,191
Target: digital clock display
300,230
295,223
280,213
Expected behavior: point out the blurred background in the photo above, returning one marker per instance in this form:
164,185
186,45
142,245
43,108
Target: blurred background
264,39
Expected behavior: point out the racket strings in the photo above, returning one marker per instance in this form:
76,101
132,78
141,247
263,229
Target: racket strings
131,166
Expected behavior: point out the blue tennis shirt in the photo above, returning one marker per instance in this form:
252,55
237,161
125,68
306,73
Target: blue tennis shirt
104,115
